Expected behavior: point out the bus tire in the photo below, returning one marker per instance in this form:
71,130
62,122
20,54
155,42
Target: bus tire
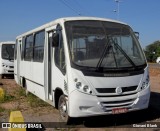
1,76
63,110
23,82
24,86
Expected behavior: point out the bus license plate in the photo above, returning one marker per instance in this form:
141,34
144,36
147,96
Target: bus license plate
119,110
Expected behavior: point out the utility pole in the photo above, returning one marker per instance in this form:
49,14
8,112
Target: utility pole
117,10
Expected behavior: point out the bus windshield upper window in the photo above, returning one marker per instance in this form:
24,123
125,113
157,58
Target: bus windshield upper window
8,51
107,44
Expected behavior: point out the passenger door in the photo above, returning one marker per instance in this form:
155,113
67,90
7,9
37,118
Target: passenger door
55,66
48,66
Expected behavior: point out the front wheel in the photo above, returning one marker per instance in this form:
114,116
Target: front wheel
63,109
1,76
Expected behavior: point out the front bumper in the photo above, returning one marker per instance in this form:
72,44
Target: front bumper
83,105
7,71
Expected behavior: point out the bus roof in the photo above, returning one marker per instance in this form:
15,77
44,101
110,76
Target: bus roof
54,22
7,42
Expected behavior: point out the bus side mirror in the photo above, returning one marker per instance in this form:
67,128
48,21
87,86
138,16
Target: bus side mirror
137,34
55,40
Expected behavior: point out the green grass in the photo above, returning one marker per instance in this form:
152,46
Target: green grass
34,101
21,92
2,109
7,98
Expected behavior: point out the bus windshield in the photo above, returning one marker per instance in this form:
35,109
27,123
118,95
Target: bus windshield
100,44
8,51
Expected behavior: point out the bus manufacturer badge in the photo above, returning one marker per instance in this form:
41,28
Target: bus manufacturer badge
119,90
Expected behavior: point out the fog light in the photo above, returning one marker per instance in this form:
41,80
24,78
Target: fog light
102,107
84,108
135,102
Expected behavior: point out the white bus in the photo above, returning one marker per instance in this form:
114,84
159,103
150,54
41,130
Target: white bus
158,60
6,58
84,66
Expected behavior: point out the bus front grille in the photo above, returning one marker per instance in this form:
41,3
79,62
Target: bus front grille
113,90
111,102
118,104
10,71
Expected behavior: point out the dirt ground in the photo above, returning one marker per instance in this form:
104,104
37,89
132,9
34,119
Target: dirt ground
49,114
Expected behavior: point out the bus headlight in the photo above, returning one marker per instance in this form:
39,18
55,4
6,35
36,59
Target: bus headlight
78,85
145,83
86,88
82,87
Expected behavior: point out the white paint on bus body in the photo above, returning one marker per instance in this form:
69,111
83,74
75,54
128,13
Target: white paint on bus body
94,57
7,58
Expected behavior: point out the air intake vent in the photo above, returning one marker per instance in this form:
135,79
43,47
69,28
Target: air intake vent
65,87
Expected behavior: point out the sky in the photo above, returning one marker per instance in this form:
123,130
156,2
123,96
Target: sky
19,16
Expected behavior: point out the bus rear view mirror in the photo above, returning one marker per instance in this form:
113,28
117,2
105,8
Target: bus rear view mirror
57,36
55,39
137,34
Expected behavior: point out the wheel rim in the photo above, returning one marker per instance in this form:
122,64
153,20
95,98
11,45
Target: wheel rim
63,109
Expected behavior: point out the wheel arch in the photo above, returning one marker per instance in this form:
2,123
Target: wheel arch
58,92
23,82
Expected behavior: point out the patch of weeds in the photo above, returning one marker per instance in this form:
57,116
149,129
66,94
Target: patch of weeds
21,92
34,101
2,109
7,98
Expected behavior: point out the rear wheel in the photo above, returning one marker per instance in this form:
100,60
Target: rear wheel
23,84
63,109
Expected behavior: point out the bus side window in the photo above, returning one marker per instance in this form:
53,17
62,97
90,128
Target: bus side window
60,57
38,48
23,45
28,53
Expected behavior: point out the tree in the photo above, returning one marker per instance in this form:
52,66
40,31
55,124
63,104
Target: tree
152,51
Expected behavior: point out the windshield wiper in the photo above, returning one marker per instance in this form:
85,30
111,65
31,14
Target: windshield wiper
123,52
107,45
